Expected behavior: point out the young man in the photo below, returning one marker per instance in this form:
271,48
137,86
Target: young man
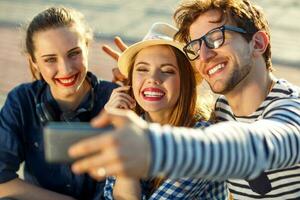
258,137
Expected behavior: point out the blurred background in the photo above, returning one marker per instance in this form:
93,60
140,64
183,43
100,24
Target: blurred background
131,19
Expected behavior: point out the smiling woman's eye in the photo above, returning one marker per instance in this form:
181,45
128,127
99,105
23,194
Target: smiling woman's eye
50,60
74,53
168,70
141,69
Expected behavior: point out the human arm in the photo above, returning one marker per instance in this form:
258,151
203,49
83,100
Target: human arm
22,190
12,150
233,149
123,187
221,151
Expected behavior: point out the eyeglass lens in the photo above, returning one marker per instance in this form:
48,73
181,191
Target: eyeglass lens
212,40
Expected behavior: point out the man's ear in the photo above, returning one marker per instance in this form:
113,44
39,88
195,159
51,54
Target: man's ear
260,42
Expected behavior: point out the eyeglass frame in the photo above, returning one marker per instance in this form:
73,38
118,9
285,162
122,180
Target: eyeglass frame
203,38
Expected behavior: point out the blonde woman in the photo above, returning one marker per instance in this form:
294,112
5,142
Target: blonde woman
57,41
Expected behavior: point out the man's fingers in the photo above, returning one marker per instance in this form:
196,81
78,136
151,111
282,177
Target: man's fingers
120,44
98,160
112,169
90,145
101,120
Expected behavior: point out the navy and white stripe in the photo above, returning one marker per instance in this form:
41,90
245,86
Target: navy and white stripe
241,147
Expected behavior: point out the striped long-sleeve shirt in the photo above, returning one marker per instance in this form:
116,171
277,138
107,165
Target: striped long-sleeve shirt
241,147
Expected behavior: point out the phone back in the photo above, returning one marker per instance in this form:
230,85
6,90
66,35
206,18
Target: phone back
59,136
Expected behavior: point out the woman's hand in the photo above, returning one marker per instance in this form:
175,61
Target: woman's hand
117,76
120,99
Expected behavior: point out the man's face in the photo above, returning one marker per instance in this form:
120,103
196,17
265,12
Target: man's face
227,66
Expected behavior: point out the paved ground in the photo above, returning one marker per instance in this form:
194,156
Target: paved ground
131,19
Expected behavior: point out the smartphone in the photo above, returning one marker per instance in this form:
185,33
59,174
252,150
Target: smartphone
59,136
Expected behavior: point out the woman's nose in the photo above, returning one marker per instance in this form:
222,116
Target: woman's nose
65,66
155,78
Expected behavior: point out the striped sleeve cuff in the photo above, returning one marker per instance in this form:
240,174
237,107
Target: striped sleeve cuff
173,151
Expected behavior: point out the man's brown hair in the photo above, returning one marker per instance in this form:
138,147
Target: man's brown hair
242,12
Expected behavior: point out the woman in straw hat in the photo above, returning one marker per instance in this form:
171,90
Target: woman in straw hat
160,89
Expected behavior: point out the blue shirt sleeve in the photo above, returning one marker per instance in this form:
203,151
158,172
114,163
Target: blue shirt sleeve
11,149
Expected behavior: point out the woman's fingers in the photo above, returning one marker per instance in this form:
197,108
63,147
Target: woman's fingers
114,53
117,75
120,99
111,52
120,44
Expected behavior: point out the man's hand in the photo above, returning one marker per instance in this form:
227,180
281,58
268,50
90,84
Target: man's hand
122,152
117,76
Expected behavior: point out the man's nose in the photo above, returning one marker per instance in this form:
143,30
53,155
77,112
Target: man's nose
205,53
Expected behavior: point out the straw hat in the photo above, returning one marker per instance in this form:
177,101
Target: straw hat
159,34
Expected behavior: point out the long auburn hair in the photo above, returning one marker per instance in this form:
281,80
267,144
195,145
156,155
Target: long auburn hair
186,110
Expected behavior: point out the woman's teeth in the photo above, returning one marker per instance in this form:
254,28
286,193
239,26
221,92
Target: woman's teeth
153,94
67,80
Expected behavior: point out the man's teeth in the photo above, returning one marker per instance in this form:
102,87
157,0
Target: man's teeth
215,69
67,80
153,94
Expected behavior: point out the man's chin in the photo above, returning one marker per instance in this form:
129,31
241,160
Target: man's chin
221,92
217,89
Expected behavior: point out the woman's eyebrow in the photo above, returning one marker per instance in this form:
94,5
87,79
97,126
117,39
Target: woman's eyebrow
168,64
75,48
142,63
48,55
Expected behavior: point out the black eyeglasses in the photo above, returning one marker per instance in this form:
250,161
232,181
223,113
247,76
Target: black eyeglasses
213,39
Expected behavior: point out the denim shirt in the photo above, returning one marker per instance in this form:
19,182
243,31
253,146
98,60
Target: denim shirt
21,139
